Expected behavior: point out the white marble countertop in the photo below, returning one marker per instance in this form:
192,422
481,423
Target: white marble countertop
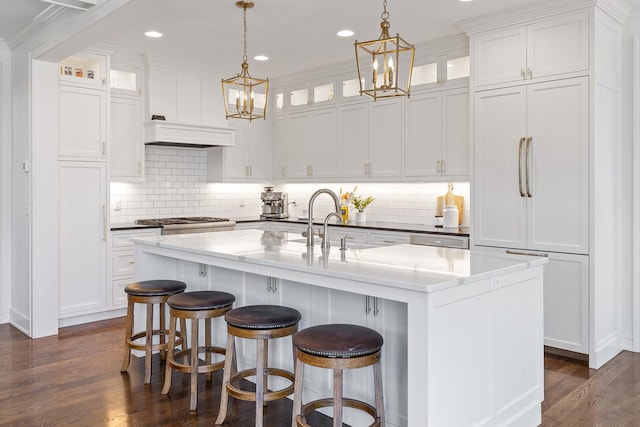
410,267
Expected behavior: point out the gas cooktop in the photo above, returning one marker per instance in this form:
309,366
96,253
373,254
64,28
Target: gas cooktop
185,220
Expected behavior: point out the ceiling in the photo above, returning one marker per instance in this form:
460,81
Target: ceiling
296,35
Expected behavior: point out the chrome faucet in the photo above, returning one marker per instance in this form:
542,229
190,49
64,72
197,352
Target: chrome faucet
334,196
325,235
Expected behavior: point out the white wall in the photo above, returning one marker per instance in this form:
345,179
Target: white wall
176,186
5,182
627,297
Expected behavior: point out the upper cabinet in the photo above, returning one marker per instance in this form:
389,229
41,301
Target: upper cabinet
82,118
532,52
441,70
249,160
437,140
89,69
302,96
127,147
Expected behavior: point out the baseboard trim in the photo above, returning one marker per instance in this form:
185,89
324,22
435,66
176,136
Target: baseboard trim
93,317
566,353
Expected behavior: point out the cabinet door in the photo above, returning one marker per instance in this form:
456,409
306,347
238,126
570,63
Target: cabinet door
422,156
353,121
566,302
323,144
260,150
279,146
127,148
558,46
558,125
82,260
82,118
235,158
385,138
500,56
297,143
455,133
499,210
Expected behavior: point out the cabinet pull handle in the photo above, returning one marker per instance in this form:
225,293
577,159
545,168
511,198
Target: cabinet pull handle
104,147
275,285
104,222
539,254
269,285
283,172
530,73
367,307
250,170
375,306
388,241
520,167
529,139
522,73
444,167
139,168
438,166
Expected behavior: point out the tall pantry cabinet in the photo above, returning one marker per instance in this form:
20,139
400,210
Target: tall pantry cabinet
538,157
83,184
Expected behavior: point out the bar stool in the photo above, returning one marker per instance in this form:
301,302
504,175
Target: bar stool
198,305
261,323
337,347
148,292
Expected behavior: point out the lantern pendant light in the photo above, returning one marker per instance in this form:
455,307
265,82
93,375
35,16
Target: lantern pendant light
383,59
245,97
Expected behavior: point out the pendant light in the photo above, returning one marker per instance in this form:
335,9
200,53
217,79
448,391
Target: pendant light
383,59
245,97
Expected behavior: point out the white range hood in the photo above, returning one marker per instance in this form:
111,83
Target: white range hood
160,132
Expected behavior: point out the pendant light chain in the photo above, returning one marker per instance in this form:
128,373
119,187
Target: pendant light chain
384,15
244,21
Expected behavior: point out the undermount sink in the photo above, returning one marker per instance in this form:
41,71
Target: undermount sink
336,245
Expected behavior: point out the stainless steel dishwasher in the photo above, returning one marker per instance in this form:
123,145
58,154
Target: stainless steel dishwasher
444,241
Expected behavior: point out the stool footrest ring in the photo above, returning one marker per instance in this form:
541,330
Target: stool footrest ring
186,367
131,341
349,403
269,396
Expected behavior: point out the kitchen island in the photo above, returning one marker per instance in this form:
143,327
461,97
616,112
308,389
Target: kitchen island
463,329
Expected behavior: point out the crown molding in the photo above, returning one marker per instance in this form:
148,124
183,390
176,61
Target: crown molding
617,9
3,44
43,20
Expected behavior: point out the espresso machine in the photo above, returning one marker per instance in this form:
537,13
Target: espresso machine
274,204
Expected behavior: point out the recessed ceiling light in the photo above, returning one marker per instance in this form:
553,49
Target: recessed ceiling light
261,58
153,34
465,0
344,33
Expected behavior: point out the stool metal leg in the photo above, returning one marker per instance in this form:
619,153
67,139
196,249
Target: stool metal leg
128,332
147,345
337,398
229,368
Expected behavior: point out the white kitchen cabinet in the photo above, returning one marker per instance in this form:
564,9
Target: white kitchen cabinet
566,299
126,140
370,139
437,142
279,147
311,149
85,69
83,221
546,48
531,183
387,317
82,123
447,69
249,160
123,261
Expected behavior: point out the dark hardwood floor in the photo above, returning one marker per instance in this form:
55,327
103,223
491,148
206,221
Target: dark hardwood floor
74,379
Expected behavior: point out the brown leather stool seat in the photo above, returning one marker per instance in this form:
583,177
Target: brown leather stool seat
337,347
262,323
195,306
148,292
